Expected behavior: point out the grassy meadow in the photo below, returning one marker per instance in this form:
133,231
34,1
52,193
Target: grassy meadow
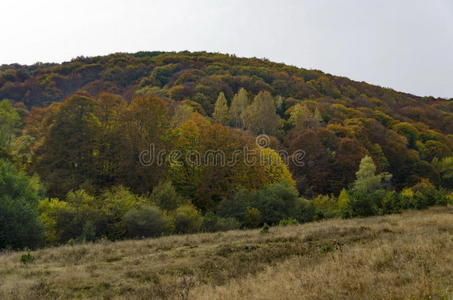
407,256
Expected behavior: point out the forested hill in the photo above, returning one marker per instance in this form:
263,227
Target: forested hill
81,145
199,76
336,121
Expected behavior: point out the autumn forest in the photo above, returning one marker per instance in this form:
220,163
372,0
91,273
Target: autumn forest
73,137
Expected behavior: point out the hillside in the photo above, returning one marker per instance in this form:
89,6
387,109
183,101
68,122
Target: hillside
149,144
199,76
403,133
389,257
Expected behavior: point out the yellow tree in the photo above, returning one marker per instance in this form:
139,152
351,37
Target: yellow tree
261,116
238,105
221,114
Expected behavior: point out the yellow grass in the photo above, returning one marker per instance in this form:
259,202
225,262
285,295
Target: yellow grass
408,256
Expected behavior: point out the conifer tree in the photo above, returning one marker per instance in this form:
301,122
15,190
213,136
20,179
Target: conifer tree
261,116
238,106
367,180
343,203
317,115
221,114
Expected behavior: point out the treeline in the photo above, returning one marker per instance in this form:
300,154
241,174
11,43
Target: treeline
201,76
101,164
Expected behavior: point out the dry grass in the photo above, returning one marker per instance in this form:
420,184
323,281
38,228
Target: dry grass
407,256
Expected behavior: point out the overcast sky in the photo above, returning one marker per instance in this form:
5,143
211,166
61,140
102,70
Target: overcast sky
403,44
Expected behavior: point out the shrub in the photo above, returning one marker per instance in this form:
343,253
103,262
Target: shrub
114,204
343,204
213,223
426,194
146,221
209,222
304,211
265,228
275,202
450,198
325,206
85,217
253,217
187,219
407,199
364,204
27,258
224,224
286,222
391,203
88,232
235,205
65,220
166,197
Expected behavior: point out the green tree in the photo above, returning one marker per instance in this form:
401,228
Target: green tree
409,131
9,120
19,196
445,168
367,180
67,158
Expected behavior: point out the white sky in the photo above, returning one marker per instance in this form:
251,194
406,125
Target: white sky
403,44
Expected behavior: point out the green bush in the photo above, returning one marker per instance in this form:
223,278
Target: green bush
213,223
224,224
27,258
275,202
325,206
450,198
235,205
146,221
187,219
391,203
426,194
265,228
166,197
364,204
304,211
85,217
209,222
253,218
88,232
65,220
286,222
